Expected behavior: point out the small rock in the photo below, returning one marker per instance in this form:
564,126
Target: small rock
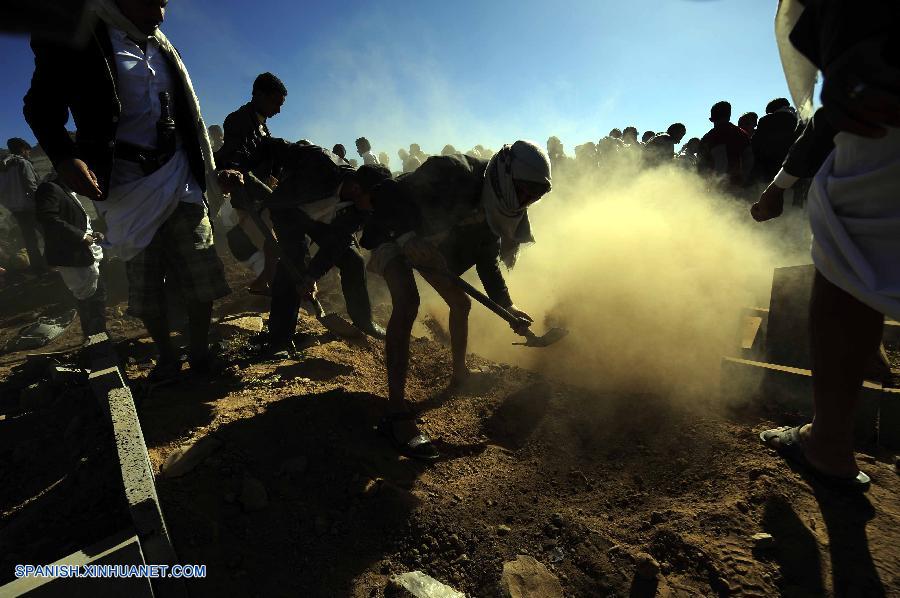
419,585
503,530
645,565
371,488
657,517
762,540
187,457
525,577
253,494
557,519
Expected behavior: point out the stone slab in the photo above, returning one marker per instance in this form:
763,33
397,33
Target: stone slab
123,548
889,419
787,336
790,388
111,390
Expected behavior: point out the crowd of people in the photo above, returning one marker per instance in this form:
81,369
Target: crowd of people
158,179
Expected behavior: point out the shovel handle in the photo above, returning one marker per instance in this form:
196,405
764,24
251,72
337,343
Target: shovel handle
479,297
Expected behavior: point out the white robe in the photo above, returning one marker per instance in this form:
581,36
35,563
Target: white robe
854,211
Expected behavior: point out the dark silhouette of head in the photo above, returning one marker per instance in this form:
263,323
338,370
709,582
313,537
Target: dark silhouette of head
363,146
777,104
720,112
677,131
269,94
339,150
18,146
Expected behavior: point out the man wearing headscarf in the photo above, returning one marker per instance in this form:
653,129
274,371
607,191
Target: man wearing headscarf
454,212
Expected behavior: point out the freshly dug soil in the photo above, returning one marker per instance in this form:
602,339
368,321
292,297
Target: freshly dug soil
301,497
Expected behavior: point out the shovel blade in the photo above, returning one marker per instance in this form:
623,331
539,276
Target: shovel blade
336,324
552,336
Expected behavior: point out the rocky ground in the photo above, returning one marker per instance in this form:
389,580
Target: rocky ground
286,490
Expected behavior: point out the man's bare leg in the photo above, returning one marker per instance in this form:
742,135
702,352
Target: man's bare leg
460,306
844,337
404,308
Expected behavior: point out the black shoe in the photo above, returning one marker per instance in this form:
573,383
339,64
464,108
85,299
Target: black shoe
404,434
372,329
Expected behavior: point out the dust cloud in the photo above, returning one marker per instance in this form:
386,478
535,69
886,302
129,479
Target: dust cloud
648,271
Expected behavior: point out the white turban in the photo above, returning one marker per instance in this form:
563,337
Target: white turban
522,161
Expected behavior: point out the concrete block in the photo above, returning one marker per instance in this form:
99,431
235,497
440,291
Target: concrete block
790,388
889,419
123,548
137,475
100,352
787,335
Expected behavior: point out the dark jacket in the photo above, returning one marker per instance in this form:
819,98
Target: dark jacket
808,153
774,136
65,223
83,80
309,173
442,196
244,134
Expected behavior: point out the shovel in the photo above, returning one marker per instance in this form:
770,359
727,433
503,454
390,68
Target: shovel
552,336
334,323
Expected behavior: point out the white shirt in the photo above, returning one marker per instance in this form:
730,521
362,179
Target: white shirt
142,77
370,159
137,204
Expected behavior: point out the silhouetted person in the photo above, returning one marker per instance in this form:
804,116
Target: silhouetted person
661,148
216,137
19,183
776,132
340,151
725,149
364,149
747,123
245,131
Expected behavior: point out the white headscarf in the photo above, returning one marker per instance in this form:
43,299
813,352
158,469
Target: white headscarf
108,12
523,161
799,72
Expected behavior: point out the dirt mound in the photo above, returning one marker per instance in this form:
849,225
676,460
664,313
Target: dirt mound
300,496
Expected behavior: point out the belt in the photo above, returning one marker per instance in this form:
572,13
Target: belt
149,159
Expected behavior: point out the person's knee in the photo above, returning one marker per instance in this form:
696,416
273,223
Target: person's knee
460,304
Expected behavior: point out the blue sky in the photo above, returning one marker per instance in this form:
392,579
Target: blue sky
464,72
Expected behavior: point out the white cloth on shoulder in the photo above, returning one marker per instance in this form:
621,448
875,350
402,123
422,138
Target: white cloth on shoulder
854,212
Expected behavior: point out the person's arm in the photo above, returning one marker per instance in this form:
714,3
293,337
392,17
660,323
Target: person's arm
808,153
46,105
333,240
488,268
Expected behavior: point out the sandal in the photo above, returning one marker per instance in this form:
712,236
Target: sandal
420,446
790,446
